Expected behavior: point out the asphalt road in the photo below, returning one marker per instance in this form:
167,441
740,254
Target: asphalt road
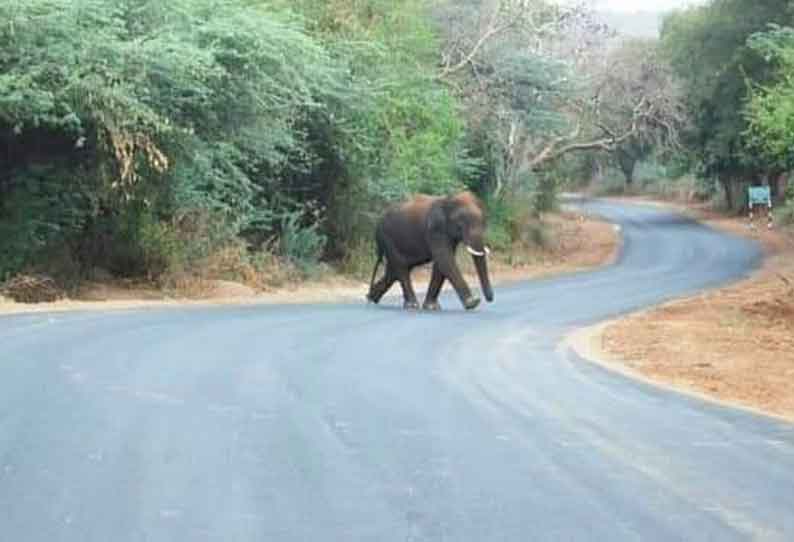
352,422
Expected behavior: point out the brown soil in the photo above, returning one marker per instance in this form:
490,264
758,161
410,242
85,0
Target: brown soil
735,344
577,243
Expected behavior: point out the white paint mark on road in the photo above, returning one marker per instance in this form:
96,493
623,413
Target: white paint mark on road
159,397
712,444
170,513
223,410
72,373
262,415
97,457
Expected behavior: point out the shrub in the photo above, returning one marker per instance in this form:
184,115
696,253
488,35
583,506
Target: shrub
360,259
511,220
44,205
198,112
612,184
784,214
300,242
31,289
212,126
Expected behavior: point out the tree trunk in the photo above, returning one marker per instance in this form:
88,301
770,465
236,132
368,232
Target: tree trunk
735,193
783,187
627,163
497,192
726,187
597,174
777,187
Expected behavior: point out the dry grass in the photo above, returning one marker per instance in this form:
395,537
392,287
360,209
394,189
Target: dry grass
32,289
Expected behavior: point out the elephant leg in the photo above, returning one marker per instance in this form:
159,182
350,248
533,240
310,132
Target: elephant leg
380,288
409,295
436,282
445,258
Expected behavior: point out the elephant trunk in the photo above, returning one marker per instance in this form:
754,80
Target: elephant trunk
479,254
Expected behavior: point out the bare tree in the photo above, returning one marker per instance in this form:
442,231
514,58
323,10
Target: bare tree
637,103
476,24
634,99
549,79
499,57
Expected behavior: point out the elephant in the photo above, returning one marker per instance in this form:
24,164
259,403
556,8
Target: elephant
430,228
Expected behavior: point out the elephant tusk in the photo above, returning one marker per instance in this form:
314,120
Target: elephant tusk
476,253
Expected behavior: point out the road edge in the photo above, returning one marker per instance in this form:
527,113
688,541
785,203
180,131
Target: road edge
586,342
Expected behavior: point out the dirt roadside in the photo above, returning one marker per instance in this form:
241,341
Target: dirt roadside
734,345
577,243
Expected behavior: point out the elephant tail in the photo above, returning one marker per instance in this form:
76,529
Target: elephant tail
380,255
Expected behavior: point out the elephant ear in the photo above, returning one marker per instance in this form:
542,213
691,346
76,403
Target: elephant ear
437,223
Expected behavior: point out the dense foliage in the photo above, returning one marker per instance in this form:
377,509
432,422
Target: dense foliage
153,139
720,52
770,113
139,135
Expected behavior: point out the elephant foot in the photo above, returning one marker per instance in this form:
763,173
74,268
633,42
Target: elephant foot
374,297
411,305
471,302
431,306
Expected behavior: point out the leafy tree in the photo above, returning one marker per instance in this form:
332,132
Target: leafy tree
498,58
184,125
770,112
708,47
406,134
184,107
637,103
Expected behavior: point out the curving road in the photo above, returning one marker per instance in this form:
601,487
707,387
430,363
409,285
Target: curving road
352,422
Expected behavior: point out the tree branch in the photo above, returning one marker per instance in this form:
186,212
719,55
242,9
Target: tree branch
548,151
608,144
493,29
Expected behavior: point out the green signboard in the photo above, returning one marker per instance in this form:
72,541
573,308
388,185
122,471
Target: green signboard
760,195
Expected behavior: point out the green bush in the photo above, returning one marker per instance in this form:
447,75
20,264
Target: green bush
359,259
42,207
784,214
545,193
612,184
198,112
510,220
301,242
685,188
154,138
650,171
232,110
